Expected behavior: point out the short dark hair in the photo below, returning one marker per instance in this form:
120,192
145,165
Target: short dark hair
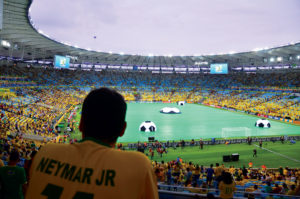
227,178
103,114
14,155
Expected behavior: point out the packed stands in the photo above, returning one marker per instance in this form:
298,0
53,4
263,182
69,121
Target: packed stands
33,100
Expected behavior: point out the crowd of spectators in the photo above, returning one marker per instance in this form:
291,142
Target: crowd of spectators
51,76
178,174
36,101
35,110
201,179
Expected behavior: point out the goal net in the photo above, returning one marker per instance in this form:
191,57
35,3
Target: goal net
236,132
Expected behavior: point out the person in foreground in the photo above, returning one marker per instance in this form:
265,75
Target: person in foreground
12,178
93,168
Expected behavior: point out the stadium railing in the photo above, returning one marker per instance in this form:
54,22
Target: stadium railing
180,192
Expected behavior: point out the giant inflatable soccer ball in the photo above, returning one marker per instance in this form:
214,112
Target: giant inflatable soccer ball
170,110
263,123
147,126
181,103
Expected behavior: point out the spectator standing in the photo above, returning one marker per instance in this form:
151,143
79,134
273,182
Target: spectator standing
209,175
13,178
218,172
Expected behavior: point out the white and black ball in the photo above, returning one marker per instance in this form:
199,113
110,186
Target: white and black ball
148,126
181,103
263,123
170,110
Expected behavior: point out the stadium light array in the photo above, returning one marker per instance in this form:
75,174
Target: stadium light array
201,63
298,57
257,49
272,59
279,59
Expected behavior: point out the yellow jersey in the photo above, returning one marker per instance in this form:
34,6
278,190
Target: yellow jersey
218,171
226,190
90,170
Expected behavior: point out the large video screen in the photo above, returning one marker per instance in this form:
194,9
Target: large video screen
221,68
61,61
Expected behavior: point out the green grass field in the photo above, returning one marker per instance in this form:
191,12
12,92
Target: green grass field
212,154
197,121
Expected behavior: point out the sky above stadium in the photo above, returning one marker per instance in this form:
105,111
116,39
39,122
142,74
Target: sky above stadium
169,27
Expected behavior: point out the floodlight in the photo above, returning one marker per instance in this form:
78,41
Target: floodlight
279,59
272,59
257,49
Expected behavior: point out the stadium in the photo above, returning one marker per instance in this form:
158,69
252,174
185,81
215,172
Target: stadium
238,109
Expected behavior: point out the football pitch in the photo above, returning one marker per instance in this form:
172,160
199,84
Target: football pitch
197,121
273,155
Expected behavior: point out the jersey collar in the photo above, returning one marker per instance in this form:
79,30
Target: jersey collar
95,140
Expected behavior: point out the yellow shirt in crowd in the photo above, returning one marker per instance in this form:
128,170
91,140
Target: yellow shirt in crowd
226,190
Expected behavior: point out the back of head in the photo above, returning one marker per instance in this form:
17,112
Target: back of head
103,114
14,156
227,178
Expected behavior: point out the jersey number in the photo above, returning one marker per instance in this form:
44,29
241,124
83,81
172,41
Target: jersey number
54,192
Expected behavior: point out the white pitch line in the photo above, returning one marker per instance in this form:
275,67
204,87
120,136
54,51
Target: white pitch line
287,157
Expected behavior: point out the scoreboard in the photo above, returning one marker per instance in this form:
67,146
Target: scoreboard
219,68
61,61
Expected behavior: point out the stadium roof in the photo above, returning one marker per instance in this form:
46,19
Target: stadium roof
21,40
